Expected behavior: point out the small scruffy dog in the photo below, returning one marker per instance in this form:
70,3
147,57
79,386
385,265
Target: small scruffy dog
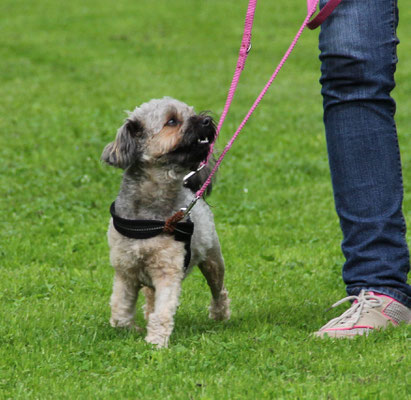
159,143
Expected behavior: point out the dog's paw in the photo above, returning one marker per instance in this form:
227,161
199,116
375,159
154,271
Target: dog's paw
220,314
220,309
131,325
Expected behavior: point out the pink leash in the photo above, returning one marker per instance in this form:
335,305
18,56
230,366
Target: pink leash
242,57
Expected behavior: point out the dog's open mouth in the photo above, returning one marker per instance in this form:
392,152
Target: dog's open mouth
203,141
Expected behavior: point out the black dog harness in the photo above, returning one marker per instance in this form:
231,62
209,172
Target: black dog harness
149,228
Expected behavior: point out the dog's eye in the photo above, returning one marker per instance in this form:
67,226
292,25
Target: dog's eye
173,122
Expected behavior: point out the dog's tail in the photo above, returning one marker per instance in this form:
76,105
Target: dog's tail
196,181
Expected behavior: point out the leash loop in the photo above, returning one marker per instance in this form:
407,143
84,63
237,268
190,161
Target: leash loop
170,224
323,14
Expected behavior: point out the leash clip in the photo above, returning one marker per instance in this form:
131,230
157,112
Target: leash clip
186,210
192,173
249,47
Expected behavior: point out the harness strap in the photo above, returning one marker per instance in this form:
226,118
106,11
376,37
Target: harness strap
147,228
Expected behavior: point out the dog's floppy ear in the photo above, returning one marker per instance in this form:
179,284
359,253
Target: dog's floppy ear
123,152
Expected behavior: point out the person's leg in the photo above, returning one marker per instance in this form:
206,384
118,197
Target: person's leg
358,53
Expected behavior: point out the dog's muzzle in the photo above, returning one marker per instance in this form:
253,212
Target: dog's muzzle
201,130
205,123
197,137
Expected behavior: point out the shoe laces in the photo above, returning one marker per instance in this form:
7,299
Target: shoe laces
363,301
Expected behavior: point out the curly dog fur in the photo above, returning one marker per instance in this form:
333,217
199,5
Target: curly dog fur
158,144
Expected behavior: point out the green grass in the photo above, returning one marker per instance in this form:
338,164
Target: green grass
68,69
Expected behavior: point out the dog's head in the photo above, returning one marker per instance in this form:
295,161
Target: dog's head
165,132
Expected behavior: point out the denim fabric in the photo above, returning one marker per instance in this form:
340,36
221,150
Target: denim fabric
358,53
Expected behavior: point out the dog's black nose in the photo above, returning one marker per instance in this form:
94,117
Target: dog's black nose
206,121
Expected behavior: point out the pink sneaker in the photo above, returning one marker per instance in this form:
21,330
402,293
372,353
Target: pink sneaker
369,311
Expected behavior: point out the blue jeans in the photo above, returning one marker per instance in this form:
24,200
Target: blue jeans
358,54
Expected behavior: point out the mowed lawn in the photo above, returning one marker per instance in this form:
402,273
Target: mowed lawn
68,70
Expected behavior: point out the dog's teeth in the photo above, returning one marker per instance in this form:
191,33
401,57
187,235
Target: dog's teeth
204,141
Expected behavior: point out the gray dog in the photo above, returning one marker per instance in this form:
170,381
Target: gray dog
159,143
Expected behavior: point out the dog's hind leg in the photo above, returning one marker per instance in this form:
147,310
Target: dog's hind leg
213,270
123,302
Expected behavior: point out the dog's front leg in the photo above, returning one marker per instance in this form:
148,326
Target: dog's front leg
161,320
213,270
123,302
148,307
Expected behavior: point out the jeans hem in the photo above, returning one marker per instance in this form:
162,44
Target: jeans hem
394,293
